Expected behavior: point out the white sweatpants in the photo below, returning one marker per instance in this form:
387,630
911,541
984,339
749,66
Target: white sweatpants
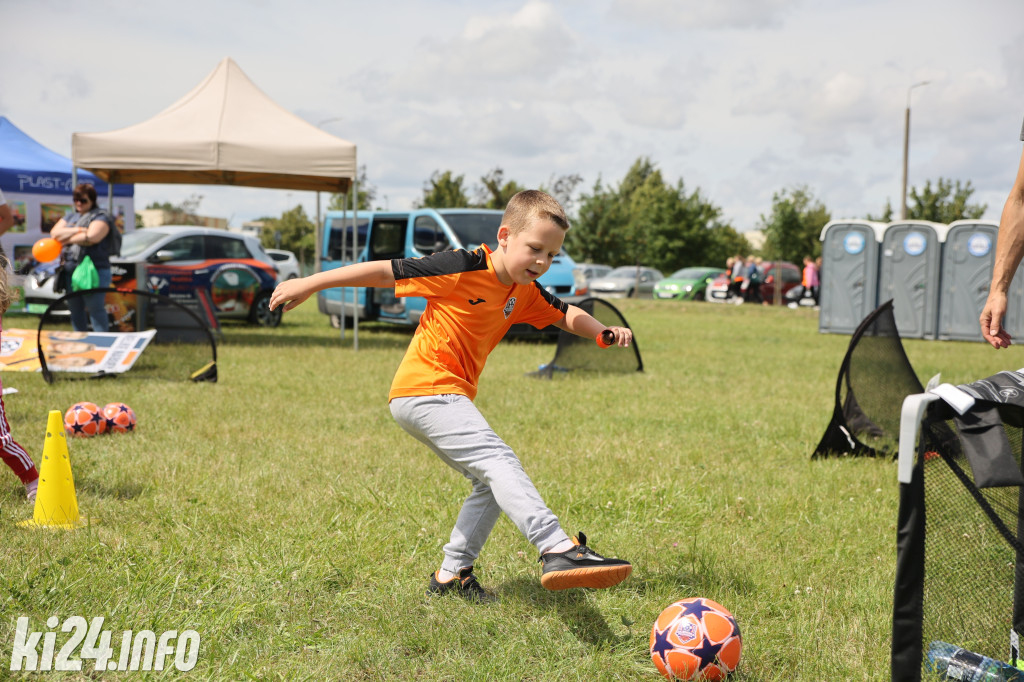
453,427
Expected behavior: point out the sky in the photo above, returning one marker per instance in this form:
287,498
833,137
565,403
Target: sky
741,99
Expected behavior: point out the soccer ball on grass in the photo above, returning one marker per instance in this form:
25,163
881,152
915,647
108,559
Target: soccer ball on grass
84,420
696,639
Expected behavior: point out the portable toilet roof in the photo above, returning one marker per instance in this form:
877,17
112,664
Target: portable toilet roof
941,229
879,228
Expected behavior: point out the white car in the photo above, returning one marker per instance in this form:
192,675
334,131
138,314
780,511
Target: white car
626,281
287,264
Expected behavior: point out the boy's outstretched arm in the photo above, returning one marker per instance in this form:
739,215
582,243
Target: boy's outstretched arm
579,322
291,293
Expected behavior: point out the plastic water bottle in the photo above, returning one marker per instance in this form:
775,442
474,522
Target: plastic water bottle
957,663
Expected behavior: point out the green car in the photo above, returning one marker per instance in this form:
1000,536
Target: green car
687,284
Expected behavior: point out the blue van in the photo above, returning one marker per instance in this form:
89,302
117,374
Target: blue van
383,235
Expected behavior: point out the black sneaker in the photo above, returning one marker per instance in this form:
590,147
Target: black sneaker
464,584
582,567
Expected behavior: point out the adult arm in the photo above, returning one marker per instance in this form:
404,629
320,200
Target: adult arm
87,236
291,293
6,218
1009,251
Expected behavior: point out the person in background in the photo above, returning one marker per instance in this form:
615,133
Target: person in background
86,231
1009,250
751,281
13,455
736,277
6,221
810,279
6,217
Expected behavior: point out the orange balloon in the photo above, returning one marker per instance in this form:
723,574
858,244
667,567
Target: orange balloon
46,249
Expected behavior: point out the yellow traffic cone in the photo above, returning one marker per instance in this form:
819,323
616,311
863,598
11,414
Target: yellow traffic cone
56,502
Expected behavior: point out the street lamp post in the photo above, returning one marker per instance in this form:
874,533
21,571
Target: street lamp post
906,150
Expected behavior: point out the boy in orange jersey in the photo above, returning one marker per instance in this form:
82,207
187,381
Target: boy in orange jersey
472,300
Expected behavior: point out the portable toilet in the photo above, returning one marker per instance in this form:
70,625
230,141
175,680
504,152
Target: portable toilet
908,273
967,260
849,274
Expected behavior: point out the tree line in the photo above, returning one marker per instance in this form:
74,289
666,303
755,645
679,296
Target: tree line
643,218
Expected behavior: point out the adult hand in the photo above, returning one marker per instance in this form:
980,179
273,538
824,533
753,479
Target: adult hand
992,316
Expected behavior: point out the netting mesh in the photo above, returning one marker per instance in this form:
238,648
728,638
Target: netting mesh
579,353
873,380
971,544
150,337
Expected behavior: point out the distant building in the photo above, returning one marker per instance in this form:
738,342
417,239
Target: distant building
755,238
252,227
153,217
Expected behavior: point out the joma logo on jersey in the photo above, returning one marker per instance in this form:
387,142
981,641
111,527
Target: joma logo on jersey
510,306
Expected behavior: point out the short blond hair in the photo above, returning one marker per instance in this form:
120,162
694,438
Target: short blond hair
530,204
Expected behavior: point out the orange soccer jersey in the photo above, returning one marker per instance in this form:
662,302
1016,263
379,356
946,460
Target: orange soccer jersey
468,312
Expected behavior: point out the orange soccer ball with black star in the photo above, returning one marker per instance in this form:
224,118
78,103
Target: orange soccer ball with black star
696,639
83,420
119,418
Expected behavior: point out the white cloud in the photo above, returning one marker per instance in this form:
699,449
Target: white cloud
670,14
740,97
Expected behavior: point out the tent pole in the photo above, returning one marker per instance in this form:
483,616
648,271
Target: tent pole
355,242
344,248
317,237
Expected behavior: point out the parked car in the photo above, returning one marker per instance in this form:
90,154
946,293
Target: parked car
625,281
287,264
585,272
791,275
38,286
688,284
177,259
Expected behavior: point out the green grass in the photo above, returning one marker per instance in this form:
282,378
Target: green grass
283,515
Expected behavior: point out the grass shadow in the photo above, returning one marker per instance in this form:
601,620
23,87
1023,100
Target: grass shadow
126,490
574,608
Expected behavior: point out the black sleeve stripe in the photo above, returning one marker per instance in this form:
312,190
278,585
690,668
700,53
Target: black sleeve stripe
441,263
552,300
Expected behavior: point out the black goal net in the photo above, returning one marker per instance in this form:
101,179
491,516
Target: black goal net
959,573
150,336
874,378
579,353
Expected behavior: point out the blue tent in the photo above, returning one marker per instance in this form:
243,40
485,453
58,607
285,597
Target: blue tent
27,167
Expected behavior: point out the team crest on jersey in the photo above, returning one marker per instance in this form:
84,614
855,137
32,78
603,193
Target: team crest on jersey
510,306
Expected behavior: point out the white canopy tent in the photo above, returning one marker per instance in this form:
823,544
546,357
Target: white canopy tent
226,131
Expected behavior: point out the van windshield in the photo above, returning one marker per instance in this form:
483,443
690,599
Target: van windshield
474,229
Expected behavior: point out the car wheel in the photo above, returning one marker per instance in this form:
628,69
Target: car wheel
261,314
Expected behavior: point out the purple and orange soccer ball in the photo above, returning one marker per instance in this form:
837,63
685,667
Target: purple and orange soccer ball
696,639
119,417
84,420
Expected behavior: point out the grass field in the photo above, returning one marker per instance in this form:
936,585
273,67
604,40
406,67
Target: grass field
285,517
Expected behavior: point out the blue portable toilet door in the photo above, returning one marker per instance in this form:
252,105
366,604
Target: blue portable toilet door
909,275
967,261
849,276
